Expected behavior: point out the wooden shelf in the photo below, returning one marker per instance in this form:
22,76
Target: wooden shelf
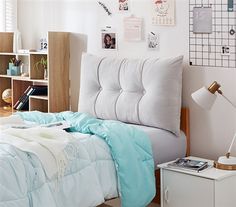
28,79
38,103
25,53
15,54
5,76
22,54
14,77
4,62
57,57
39,53
7,53
24,78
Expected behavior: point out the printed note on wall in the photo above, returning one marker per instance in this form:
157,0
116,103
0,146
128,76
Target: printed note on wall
132,29
164,12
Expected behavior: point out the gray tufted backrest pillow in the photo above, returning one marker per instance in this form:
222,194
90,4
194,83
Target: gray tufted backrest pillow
145,92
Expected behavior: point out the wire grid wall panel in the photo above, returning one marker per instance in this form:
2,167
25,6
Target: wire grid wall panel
206,49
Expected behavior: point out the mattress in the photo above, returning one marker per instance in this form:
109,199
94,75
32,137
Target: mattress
165,145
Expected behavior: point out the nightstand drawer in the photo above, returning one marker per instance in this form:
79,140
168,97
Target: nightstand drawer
183,190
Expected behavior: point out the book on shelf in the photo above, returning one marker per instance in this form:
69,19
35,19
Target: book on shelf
22,97
189,164
23,102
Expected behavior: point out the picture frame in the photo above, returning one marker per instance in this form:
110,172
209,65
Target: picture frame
108,39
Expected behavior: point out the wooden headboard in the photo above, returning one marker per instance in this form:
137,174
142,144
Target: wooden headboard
185,127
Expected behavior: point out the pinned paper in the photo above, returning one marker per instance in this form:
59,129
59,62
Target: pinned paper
133,28
153,41
202,20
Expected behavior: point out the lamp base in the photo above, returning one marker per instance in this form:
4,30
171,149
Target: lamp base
225,163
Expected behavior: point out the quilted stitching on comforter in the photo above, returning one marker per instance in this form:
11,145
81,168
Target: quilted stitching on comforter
130,150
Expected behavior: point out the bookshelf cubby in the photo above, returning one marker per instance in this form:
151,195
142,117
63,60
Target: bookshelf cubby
57,56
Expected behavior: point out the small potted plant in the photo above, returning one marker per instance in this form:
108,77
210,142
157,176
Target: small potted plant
44,64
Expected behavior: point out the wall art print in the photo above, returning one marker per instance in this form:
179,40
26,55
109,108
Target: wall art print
164,12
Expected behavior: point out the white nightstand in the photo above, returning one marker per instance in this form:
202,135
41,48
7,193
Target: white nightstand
209,188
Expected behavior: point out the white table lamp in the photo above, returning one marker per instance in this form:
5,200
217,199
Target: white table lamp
205,97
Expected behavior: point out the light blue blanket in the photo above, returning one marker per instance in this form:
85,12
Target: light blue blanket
130,149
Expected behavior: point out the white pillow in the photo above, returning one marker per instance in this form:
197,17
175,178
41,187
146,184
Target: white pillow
145,92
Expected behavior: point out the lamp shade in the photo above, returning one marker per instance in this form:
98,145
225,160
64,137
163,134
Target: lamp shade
204,98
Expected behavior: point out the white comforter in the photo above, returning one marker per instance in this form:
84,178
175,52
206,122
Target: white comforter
89,178
47,144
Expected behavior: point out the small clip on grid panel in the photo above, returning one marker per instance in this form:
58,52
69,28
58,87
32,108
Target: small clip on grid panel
230,5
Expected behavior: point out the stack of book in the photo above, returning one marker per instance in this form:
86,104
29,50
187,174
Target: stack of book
189,164
23,102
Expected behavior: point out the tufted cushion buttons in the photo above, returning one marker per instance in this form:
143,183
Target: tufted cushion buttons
146,92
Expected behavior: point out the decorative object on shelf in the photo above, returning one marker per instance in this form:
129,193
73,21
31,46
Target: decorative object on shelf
43,43
17,41
24,70
15,70
105,8
164,12
6,97
11,63
14,67
205,97
44,63
27,51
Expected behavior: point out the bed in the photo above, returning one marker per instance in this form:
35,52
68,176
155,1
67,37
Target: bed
111,89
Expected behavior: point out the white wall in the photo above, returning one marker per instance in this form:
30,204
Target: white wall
211,132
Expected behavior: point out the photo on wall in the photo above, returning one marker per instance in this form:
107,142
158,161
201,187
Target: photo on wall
108,39
123,5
